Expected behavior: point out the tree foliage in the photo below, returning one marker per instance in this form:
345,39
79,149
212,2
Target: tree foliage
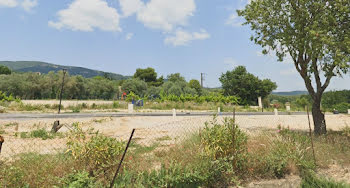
194,84
149,75
136,86
5,70
47,86
314,33
245,85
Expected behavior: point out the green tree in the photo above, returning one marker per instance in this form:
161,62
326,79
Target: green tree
148,75
194,84
176,77
314,33
240,82
139,87
5,70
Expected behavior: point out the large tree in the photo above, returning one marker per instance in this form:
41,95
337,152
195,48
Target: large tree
5,70
240,82
314,33
149,75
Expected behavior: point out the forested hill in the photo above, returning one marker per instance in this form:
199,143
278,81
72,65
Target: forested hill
290,93
43,67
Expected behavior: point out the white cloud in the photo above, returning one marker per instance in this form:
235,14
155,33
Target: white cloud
183,38
129,36
234,20
27,5
166,14
8,3
86,15
130,7
160,14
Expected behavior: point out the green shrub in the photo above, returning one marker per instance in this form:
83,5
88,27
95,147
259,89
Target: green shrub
98,154
41,133
76,109
311,180
116,104
225,141
80,180
342,107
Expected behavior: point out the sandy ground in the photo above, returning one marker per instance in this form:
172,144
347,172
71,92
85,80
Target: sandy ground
166,130
148,129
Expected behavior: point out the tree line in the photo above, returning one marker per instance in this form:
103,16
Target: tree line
238,86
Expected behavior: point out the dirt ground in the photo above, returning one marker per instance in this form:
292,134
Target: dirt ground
148,129
166,130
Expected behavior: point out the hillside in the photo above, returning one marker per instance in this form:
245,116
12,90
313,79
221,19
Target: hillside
43,67
290,93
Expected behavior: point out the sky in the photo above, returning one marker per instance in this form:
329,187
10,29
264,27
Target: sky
186,36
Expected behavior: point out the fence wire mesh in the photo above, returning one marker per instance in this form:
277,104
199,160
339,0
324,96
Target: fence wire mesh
23,137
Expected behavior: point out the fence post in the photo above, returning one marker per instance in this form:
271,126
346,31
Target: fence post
219,110
174,113
348,111
234,114
276,112
121,161
310,133
130,108
1,142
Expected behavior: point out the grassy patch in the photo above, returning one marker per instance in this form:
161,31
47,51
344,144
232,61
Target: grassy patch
311,180
41,133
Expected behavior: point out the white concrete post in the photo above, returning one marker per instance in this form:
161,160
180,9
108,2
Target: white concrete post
130,108
348,111
260,102
276,112
174,113
288,108
218,110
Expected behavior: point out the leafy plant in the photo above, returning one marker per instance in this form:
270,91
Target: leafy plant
310,180
80,179
225,141
97,153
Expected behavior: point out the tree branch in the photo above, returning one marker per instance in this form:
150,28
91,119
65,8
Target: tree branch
317,75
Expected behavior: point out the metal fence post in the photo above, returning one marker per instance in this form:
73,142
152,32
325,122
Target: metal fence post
2,140
121,161
310,133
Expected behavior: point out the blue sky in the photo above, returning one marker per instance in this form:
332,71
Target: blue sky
186,36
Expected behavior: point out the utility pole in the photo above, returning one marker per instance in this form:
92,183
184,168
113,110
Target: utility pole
64,74
202,79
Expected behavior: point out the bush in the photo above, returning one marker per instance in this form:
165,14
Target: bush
311,180
342,107
226,141
277,154
98,154
80,180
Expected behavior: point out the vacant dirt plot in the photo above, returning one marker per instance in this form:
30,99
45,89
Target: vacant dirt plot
166,130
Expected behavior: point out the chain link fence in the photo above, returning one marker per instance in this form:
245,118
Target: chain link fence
167,130
161,132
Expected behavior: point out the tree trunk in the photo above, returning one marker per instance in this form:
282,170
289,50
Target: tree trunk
318,117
